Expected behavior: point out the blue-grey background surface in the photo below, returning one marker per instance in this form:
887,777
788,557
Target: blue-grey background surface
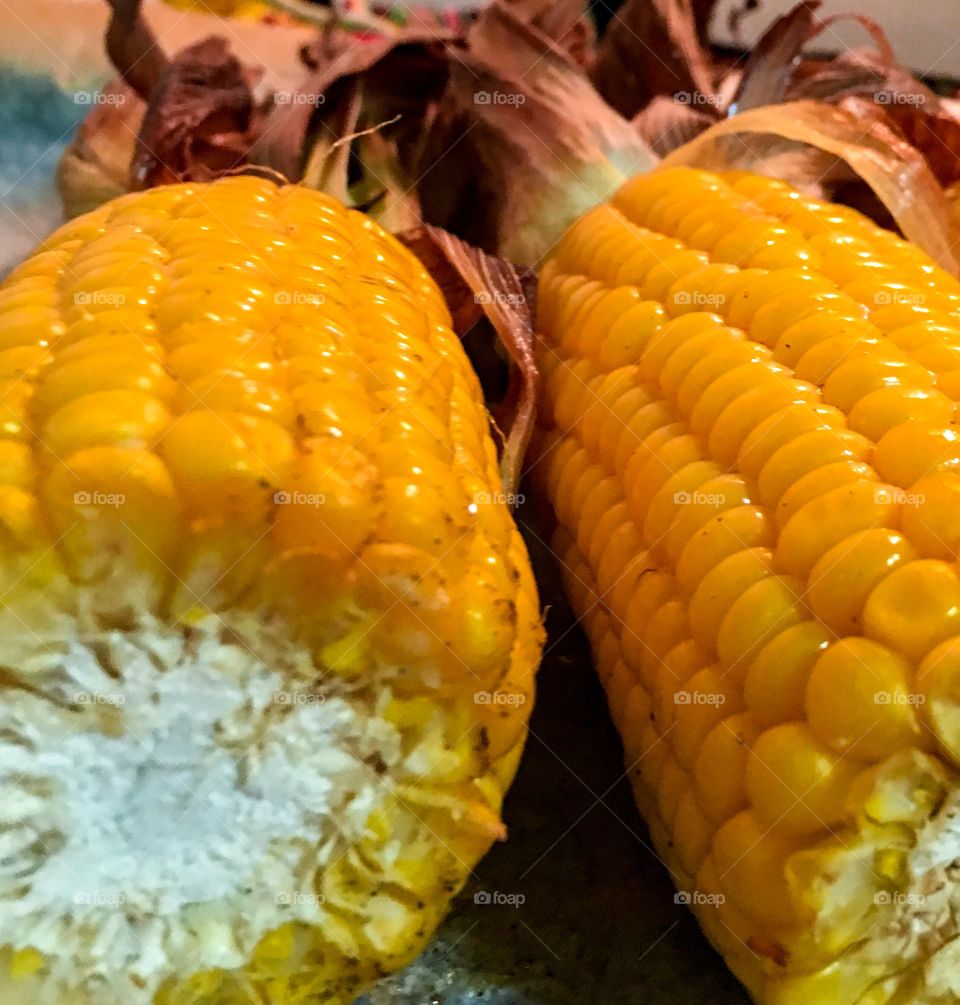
37,120
598,923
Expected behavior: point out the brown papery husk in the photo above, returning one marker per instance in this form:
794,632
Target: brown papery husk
487,294
96,166
549,146
402,73
776,71
558,148
200,120
201,103
654,48
854,133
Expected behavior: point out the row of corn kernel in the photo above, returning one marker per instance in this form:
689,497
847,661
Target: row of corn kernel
787,737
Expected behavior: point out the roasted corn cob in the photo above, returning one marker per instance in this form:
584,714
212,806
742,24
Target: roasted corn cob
748,439
268,630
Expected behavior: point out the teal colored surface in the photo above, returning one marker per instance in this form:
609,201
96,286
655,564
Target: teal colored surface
598,923
37,120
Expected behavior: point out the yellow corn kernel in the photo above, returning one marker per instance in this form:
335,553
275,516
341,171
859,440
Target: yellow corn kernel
254,544
796,784
859,699
914,608
843,579
762,488
721,768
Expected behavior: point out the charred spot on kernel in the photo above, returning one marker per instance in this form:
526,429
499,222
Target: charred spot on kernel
772,950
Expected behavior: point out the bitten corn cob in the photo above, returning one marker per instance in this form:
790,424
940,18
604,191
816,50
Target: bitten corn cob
749,443
260,600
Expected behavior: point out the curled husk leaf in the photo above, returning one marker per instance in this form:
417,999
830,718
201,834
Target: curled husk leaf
96,166
558,148
667,124
653,48
200,121
194,97
551,146
484,292
774,59
895,171
402,73
776,71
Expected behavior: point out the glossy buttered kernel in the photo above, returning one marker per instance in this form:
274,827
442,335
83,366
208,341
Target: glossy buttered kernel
235,413
772,436
261,402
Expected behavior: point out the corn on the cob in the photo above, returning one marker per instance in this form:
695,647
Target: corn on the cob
749,443
268,633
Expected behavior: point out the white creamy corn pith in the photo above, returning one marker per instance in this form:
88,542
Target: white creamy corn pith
248,600
204,785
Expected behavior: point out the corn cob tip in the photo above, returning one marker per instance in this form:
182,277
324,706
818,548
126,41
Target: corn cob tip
193,791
